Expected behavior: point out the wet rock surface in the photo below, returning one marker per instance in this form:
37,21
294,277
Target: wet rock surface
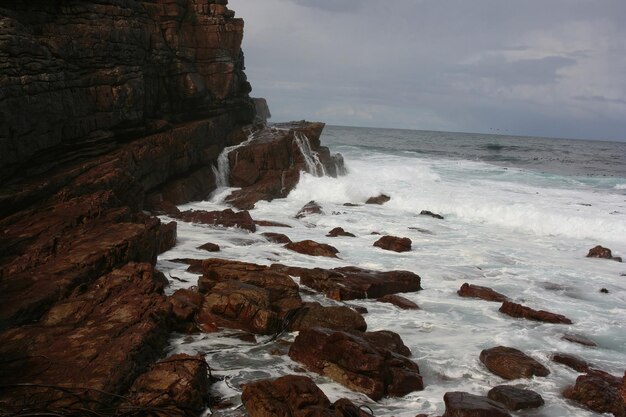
309,208
510,363
515,398
602,253
379,200
598,393
485,293
399,302
431,214
521,311
210,247
331,317
225,218
338,231
312,248
276,237
394,243
463,404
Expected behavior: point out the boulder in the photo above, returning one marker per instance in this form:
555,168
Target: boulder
485,293
309,208
603,253
312,248
521,311
510,363
331,317
226,218
185,305
399,302
463,404
355,362
387,340
210,247
571,361
599,394
431,214
276,237
394,243
380,199
515,398
338,231
581,340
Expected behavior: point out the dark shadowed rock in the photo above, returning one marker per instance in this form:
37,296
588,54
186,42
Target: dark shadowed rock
399,302
330,317
338,231
276,237
603,253
602,395
394,243
178,385
167,236
510,363
431,214
210,247
312,248
604,291
355,362
185,305
351,205
381,199
521,311
463,404
226,218
485,293
267,223
515,398
581,340
309,208
387,340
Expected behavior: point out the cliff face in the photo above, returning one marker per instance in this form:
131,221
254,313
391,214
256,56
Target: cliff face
78,78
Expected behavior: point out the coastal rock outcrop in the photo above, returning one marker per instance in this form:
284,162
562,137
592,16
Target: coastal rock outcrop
225,218
510,363
379,200
599,393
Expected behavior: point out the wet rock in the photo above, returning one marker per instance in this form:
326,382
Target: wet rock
167,236
210,247
293,395
349,283
387,340
267,223
185,304
356,363
599,394
394,243
312,248
581,340
276,237
338,231
520,311
515,398
603,253
351,205
604,291
381,199
431,214
571,361
226,218
510,363
463,404
177,385
309,208
330,317
485,293
399,302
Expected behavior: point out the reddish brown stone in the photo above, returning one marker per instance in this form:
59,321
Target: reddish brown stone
381,199
386,339
309,208
598,394
571,361
463,404
331,317
510,363
276,237
603,253
581,340
394,243
356,363
399,302
226,218
185,304
309,247
267,223
485,293
520,311
515,398
338,231
210,247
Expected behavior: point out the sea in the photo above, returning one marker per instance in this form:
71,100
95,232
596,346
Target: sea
520,215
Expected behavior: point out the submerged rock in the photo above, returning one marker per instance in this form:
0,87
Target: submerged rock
510,363
309,208
210,247
276,237
463,404
312,248
485,293
431,214
581,340
338,231
515,398
399,302
521,311
380,199
571,361
394,243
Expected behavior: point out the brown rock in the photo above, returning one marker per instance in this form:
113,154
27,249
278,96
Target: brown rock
485,293
571,361
167,236
185,304
598,394
276,237
356,363
330,317
399,302
510,363
338,231
309,208
581,340
351,205
210,247
226,218
386,339
431,214
381,199
603,253
178,385
515,398
394,243
267,223
309,247
520,311
463,404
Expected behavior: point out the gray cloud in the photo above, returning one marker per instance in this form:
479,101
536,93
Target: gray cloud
331,5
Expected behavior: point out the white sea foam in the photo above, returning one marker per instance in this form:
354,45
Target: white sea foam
523,234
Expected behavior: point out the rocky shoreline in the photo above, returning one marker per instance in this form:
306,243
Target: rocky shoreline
113,113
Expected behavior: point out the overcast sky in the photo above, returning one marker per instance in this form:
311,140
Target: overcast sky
532,67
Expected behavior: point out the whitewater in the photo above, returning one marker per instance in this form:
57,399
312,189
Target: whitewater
520,215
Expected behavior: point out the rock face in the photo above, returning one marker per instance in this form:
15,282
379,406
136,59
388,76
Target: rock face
599,394
485,293
510,363
463,404
356,362
603,253
515,398
399,302
394,243
226,218
520,311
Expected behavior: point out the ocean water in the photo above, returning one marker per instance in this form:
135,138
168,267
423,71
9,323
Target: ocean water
520,216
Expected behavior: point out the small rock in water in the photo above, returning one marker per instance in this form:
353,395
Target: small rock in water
381,199
399,302
510,363
485,293
571,361
312,248
604,290
581,340
351,205
276,237
309,208
394,243
598,393
338,231
464,404
515,398
603,253
431,214
210,247
268,223
521,311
